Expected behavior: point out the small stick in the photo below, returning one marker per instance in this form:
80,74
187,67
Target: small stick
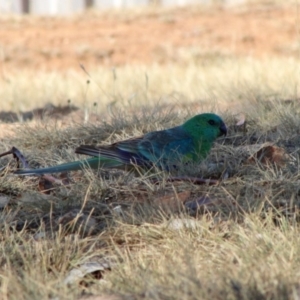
194,180
18,155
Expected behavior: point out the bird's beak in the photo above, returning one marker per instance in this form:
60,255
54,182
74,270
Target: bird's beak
223,129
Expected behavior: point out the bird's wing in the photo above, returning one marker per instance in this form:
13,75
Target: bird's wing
125,152
163,146
167,145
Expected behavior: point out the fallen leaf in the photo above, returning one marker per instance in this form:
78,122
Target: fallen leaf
65,179
45,185
184,223
241,119
269,154
81,271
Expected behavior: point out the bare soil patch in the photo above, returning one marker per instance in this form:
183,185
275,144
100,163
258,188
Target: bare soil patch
151,36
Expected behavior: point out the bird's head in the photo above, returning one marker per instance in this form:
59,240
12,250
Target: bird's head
206,126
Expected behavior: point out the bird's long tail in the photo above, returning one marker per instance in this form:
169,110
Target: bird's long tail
94,163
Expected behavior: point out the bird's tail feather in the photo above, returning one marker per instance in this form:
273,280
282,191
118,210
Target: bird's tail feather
94,163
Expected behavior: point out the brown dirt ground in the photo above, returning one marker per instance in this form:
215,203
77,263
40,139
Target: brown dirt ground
144,37
133,37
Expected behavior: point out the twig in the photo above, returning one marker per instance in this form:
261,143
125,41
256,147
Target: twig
18,155
194,180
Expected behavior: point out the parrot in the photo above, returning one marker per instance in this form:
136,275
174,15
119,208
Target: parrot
166,149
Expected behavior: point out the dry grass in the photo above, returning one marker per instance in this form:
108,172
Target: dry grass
245,245
211,81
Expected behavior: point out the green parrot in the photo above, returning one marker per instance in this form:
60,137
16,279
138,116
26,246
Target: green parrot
165,149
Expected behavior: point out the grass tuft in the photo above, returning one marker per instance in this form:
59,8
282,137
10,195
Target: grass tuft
242,244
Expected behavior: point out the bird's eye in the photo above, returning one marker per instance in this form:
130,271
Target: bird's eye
212,122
